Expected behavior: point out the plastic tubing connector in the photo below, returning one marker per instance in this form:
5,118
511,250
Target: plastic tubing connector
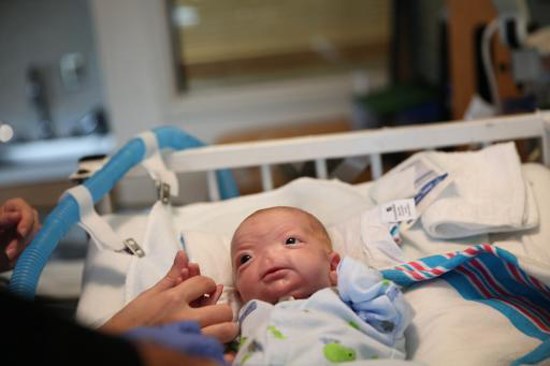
24,279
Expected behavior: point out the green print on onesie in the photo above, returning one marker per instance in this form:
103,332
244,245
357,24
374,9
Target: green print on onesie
276,332
335,352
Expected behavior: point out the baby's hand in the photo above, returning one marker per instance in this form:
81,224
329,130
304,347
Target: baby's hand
182,270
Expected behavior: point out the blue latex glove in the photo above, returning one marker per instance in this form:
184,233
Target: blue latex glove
182,336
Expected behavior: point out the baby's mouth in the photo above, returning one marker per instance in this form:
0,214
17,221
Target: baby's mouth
274,273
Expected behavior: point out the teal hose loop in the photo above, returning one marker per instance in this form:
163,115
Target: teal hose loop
25,277
167,135
30,264
227,184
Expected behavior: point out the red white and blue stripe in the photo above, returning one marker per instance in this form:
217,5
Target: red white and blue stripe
494,277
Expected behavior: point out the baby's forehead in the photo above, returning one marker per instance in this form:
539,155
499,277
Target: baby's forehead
280,219
279,211
266,220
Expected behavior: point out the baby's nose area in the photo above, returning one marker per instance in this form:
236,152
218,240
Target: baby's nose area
270,254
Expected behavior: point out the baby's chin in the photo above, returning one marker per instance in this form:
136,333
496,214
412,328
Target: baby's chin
273,297
282,289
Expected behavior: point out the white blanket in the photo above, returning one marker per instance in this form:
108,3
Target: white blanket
488,194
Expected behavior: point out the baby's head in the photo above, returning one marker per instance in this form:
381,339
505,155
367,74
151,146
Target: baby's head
282,251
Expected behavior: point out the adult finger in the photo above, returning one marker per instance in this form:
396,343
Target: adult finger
211,299
14,249
15,204
213,314
35,227
25,210
229,358
193,288
216,295
223,332
29,216
9,219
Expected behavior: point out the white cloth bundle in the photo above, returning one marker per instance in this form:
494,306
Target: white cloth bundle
482,191
488,194
160,243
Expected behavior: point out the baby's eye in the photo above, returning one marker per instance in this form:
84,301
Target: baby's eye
244,258
291,241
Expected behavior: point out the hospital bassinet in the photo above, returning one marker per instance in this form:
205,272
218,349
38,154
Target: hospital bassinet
451,326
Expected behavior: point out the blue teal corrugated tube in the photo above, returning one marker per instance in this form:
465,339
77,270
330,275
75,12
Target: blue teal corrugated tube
24,280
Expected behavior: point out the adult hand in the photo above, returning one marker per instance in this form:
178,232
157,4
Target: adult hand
19,223
183,294
184,337
153,354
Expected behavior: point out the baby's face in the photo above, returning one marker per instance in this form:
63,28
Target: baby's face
279,253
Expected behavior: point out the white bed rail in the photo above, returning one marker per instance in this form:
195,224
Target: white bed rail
370,143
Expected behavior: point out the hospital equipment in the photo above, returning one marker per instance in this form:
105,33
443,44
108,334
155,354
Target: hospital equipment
528,47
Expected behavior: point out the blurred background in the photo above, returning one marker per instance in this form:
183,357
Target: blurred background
81,77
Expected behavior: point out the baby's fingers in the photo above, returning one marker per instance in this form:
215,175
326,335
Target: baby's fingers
194,269
175,275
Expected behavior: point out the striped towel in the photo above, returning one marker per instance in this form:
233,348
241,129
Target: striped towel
494,277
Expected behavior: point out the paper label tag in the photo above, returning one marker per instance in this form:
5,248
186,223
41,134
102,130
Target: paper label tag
427,194
398,210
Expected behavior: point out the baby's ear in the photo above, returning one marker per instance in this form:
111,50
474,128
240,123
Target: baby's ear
334,260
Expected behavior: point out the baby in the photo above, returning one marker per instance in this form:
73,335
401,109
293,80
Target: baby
302,303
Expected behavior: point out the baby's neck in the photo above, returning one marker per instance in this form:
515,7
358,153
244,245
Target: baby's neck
286,298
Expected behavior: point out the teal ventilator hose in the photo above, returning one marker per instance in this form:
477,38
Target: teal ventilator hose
24,279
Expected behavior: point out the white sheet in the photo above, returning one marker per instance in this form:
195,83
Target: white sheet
105,276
